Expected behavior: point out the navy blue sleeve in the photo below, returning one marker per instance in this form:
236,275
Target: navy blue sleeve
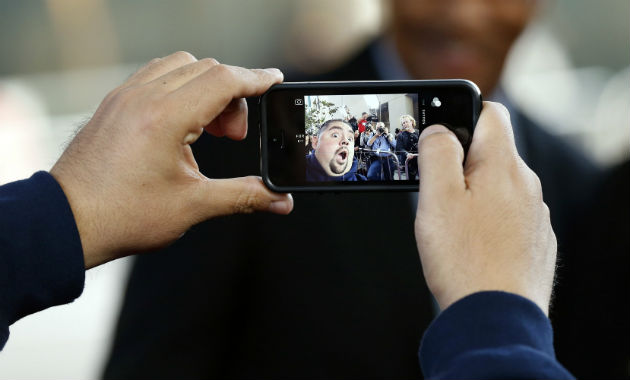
41,259
490,335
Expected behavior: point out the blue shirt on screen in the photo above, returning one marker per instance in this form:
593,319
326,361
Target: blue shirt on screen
382,145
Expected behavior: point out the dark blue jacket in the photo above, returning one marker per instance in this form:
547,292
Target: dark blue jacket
41,258
315,172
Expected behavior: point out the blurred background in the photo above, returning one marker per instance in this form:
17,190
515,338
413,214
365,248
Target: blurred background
570,71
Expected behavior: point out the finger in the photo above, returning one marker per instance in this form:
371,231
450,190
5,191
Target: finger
241,195
197,103
493,140
232,122
160,66
440,157
173,79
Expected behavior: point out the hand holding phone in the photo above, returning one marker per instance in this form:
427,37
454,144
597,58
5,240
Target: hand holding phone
484,226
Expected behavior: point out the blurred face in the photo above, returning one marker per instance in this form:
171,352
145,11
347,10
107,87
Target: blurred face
466,39
407,125
334,149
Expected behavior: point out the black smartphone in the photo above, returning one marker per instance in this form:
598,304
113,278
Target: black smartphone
355,136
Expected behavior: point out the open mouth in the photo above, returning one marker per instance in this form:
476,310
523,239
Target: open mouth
342,155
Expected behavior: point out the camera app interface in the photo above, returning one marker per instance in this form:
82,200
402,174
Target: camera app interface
371,137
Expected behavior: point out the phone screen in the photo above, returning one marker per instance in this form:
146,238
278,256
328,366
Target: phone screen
318,138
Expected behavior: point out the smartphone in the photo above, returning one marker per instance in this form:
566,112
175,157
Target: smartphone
357,136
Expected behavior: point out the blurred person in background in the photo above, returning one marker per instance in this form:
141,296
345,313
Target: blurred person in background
407,144
352,120
366,136
363,122
261,304
383,145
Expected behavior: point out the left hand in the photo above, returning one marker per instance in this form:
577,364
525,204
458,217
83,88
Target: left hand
130,175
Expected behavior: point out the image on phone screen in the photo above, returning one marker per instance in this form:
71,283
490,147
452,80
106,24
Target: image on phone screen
361,137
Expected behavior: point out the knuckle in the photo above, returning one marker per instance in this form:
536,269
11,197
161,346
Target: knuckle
532,183
546,210
536,180
210,62
184,56
532,177
154,61
146,66
204,64
249,198
222,70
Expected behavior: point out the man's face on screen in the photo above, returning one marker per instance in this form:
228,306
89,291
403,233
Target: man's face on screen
334,149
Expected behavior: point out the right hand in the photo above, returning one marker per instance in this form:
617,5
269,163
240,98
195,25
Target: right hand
483,226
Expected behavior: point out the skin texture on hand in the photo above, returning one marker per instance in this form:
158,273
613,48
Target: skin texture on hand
130,175
483,225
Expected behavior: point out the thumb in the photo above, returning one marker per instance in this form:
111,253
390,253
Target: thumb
440,157
242,195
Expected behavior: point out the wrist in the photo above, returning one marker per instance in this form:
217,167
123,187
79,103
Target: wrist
94,253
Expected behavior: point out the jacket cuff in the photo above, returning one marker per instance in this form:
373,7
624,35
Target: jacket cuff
484,320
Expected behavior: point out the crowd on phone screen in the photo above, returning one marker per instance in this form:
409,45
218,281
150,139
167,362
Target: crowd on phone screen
380,154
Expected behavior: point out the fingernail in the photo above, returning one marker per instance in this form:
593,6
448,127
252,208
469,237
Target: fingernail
278,207
282,205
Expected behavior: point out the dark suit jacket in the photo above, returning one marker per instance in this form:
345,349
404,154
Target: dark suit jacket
269,296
